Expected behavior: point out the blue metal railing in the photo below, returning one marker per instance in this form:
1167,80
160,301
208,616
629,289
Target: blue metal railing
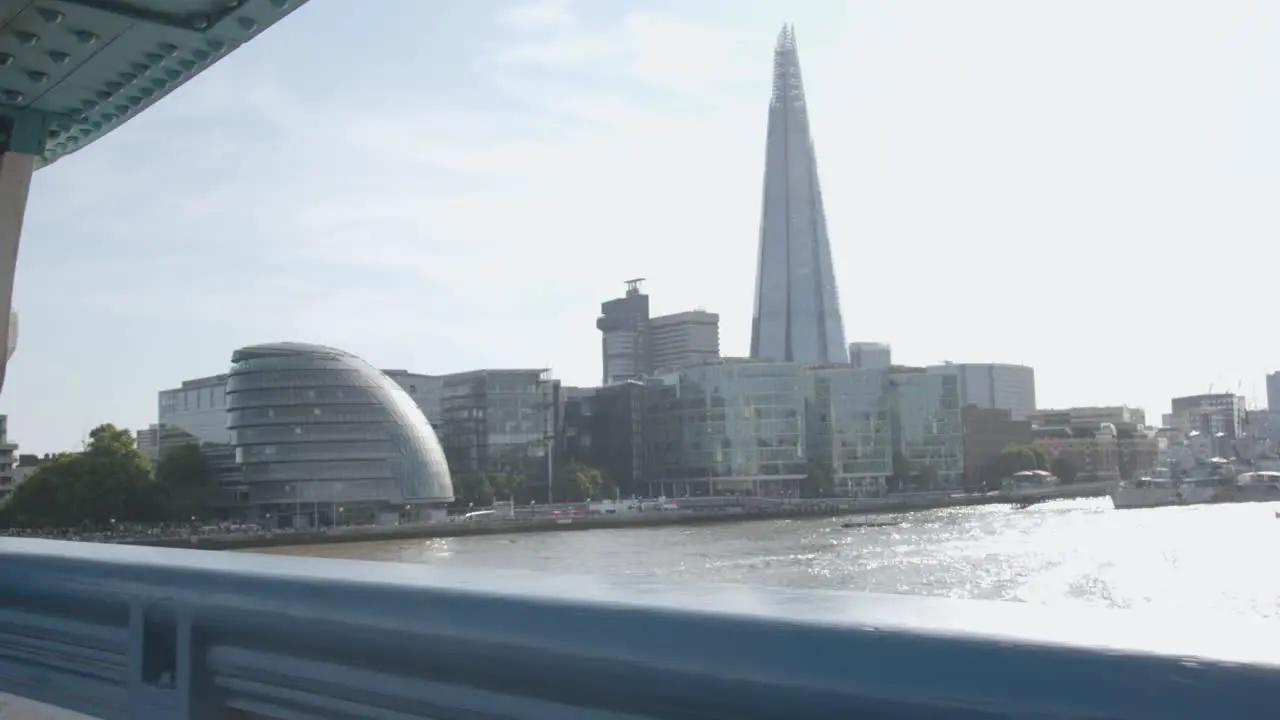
131,632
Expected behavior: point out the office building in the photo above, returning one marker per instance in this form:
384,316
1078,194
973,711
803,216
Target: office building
424,389
156,440
850,421
994,386
870,355
797,307
760,428
635,345
1122,416
1221,417
323,437
1273,392
624,336
682,339
502,421
987,432
728,429
199,408
1098,452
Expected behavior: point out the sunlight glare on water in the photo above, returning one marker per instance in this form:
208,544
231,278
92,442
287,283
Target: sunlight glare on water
1207,558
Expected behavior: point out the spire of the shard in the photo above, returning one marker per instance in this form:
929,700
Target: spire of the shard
797,310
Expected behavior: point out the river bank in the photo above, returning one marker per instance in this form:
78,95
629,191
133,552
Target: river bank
742,513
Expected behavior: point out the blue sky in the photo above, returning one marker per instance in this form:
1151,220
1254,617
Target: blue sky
439,186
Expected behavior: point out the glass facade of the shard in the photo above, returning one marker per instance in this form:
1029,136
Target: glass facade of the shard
797,308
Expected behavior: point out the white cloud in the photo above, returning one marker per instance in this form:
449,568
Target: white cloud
539,15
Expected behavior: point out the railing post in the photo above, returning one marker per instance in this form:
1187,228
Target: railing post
165,676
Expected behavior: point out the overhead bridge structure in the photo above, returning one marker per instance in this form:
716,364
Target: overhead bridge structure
72,71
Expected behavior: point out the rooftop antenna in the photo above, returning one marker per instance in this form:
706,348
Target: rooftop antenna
633,285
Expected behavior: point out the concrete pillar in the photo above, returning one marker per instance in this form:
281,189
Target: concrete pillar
15,182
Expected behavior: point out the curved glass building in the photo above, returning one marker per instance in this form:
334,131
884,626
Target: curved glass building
324,437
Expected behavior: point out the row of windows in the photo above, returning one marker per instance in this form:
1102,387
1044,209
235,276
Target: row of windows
300,396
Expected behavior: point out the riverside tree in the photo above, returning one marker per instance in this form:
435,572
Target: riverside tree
111,481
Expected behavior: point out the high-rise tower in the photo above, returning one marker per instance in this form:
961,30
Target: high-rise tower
797,310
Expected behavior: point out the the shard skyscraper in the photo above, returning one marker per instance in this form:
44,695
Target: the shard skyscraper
797,312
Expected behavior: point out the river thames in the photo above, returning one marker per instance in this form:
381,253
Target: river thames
1214,558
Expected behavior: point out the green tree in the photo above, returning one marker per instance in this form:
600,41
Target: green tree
576,482
1064,469
110,481
472,489
819,480
506,486
1012,459
186,483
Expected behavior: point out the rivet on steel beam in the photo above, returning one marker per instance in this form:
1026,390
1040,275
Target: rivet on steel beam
135,100
113,86
102,95
54,133
122,109
280,4
50,15
5,59
84,37
89,104
159,83
200,55
168,48
85,132
186,64
97,124
173,75
146,91
59,57
127,77
27,38
11,96
215,45
200,22
139,68
37,77
247,23
154,58
60,147
108,117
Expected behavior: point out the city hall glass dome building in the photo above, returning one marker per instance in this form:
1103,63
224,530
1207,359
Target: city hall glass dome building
322,437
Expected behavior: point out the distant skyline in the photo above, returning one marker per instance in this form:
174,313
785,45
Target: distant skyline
443,186
797,309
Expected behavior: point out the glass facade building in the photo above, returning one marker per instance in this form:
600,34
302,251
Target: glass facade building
928,429
323,436
850,418
736,428
759,428
797,306
501,421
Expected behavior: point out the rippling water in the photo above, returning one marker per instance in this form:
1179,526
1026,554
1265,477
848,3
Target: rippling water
1217,558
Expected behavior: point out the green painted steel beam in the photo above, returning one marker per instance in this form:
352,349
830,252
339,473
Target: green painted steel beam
72,71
